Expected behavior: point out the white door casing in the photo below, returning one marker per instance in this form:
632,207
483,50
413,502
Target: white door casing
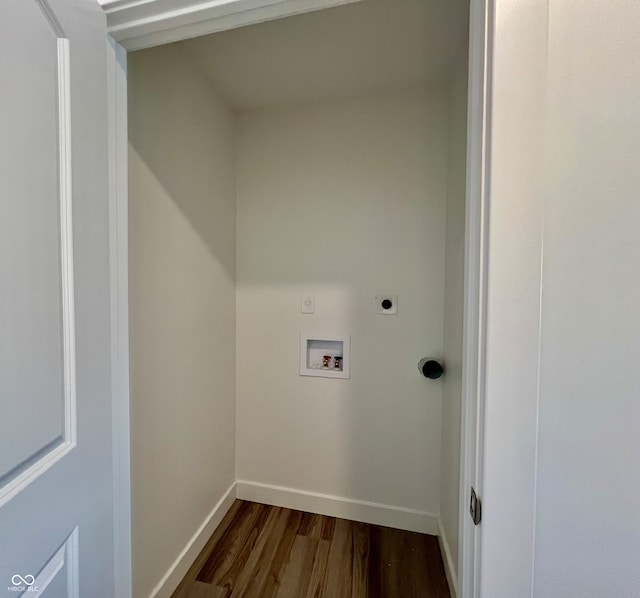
475,293
56,506
137,25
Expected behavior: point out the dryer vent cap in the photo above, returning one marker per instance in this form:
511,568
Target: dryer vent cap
430,368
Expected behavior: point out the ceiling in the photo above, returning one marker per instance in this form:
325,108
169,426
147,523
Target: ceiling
372,46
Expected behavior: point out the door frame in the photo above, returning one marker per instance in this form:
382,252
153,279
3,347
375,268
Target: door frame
474,343
134,25
119,290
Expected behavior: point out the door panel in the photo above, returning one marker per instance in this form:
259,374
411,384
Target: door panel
57,578
56,485
37,364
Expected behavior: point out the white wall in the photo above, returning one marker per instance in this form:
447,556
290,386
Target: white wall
346,199
453,314
561,504
182,298
588,486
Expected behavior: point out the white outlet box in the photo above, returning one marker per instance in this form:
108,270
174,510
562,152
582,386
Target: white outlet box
386,305
316,350
307,303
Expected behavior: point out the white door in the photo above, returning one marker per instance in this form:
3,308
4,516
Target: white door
56,496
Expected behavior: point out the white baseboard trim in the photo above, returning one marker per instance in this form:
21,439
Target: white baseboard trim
179,568
337,506
448,562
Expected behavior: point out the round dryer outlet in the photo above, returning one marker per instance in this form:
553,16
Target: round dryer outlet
387,305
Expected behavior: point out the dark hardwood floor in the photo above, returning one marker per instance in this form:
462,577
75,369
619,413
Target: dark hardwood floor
260,551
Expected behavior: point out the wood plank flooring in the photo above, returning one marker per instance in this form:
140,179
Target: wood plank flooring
260,551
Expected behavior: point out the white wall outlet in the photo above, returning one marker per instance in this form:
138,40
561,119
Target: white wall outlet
387,305
307,303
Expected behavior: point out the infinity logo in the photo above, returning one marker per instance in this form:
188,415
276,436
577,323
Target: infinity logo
27,580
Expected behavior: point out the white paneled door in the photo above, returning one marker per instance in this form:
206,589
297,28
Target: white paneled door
56,496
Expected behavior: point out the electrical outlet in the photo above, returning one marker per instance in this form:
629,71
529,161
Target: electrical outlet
387,305
307,303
